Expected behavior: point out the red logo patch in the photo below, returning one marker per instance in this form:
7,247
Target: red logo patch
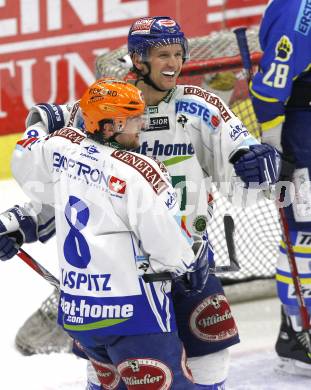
186,369
142,26
24,143
107,374
215,121
166,23
145,373
117,185
212,319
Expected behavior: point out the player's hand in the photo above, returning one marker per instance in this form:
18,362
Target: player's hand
9,246
260,164
194,282
16,227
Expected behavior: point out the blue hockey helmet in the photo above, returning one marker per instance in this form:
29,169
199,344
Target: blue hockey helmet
155,32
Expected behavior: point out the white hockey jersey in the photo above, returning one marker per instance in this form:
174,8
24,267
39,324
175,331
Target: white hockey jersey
195,134
114,213
42,119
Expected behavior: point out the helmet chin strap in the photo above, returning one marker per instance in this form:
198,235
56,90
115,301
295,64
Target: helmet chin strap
147,79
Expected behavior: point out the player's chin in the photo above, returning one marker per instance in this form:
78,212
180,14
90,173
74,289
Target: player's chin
168,82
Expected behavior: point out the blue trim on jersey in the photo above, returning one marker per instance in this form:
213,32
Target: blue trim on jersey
214,386
282,62
297,254
45,225
93,386
89,318
284,290
162,308
161,313
47,236
55,116
289,275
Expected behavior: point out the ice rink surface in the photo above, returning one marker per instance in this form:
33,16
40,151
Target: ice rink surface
22,292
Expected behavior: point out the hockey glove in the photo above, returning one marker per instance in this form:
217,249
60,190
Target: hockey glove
260,164
194,282
16,227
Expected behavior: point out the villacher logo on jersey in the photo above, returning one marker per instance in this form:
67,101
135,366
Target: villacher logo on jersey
212,319
137,373
109,376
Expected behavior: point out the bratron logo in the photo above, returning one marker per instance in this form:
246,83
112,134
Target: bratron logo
78,170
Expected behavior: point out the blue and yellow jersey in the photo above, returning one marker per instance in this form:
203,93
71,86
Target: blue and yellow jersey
285,39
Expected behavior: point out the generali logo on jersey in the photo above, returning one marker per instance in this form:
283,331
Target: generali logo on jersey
143,167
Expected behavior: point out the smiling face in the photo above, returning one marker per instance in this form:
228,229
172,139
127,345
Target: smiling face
163,67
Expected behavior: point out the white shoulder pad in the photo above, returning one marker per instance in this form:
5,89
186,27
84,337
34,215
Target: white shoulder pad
53,116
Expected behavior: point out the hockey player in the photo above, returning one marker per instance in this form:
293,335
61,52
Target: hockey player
115,216
194,133
281,93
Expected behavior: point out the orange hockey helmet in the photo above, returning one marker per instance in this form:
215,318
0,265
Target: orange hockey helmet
110,99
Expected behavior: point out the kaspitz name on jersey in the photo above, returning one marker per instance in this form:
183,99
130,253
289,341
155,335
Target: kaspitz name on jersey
92,282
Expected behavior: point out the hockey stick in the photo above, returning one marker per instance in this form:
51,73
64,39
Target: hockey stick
240,33
148,278
229,234
244,51
232,267
37,267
